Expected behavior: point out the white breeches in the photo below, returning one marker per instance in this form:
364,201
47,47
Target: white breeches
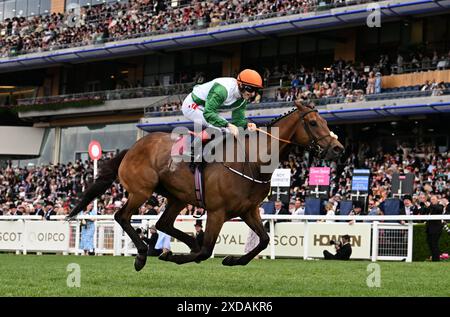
194,112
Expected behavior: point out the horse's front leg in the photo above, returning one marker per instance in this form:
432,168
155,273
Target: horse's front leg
214,223
253,220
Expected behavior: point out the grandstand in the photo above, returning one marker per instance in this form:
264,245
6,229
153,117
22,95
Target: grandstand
77,70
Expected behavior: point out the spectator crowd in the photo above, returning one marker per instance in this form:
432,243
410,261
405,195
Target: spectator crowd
128,19
36,189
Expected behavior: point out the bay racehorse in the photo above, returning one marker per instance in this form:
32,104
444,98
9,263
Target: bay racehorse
144,169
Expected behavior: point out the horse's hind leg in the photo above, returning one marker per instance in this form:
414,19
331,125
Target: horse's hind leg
167,219
123,217
214,223
253,220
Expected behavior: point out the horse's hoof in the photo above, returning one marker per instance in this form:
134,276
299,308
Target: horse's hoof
139,261
165,256
230,260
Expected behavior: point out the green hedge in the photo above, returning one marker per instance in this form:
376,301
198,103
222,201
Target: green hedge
60,105
421,252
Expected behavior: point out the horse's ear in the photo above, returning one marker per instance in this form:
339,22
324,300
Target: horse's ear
298,103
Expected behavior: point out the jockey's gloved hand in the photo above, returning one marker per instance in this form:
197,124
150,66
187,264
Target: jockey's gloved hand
251,127
233,129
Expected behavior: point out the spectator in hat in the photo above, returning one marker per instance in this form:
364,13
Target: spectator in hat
199,234
109,209
356,211
49,209
150,208
151,242
21,210
408,209
38,210
13,210
87,231
343,249
434,228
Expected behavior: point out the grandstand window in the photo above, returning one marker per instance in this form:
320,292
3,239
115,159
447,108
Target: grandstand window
151,65
368,36
288,45
215,58
47,150
391,33
166,64
68,2
306,44
326,45
21,8
269,47
251,49
111,137
33,7
200,57
437,30
45,7
10,9
85,3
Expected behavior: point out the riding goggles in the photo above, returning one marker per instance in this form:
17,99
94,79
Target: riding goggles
249,88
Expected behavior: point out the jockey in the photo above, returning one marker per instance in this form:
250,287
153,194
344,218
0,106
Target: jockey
203,105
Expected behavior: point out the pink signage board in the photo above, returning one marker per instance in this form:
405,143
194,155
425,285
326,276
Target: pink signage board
319,176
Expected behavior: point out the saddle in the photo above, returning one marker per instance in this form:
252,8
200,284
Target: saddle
185,148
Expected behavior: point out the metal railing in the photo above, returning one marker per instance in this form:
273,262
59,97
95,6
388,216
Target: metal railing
171,91
117,94
375,237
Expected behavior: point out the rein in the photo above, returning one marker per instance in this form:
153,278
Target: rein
275,137
314,145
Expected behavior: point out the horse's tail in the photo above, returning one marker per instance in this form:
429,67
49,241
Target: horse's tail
106,176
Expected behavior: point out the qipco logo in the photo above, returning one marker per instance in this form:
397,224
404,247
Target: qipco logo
73,13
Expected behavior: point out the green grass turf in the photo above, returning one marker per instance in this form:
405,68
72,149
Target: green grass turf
46,275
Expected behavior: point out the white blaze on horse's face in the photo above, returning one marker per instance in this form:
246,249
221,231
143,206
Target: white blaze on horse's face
333,135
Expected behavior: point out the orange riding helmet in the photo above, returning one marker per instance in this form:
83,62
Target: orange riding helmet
250,77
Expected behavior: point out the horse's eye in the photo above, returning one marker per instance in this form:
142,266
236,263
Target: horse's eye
313,123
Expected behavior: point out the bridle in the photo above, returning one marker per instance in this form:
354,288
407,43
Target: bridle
312,146
314,141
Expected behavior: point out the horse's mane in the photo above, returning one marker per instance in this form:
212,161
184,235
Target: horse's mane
273,121
306,103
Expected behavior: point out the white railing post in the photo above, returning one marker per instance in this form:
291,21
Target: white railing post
272,238
410,241
305,240
117,239
25,236
95,236
101,238
77,237
374,241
